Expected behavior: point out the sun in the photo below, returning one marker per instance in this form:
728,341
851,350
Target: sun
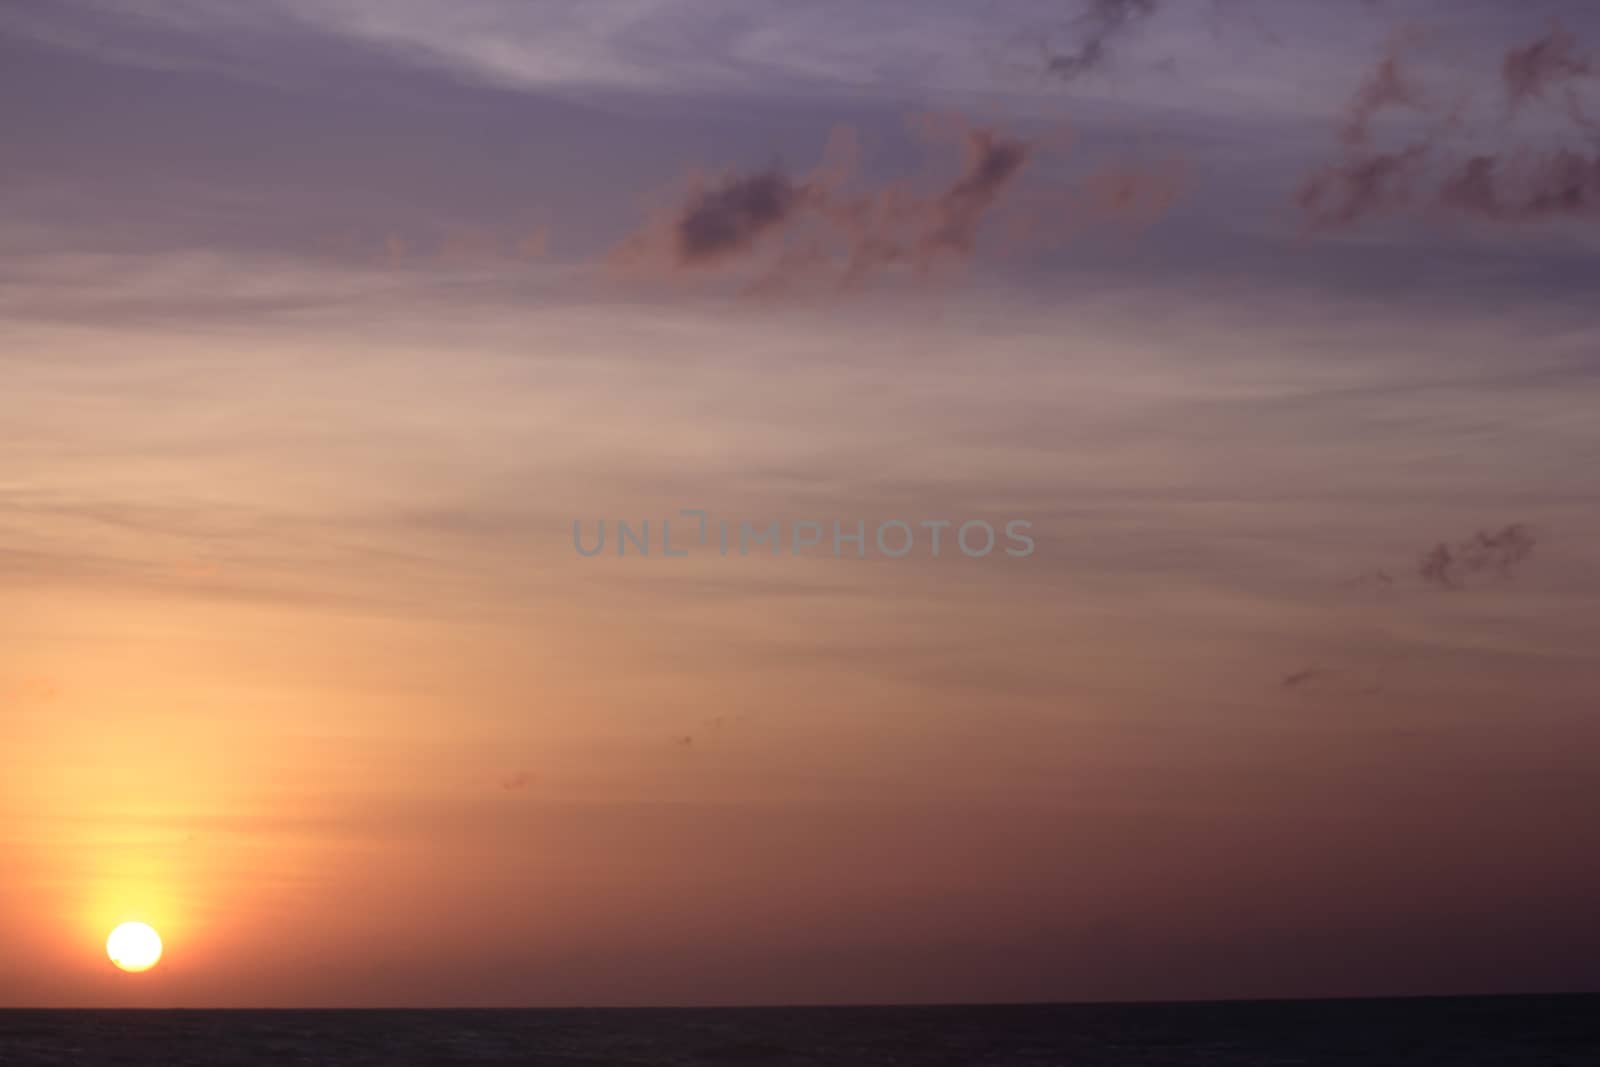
134,947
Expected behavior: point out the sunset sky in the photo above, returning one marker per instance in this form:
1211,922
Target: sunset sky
322,321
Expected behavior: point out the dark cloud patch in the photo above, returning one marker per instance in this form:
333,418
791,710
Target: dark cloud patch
1344,193
780,231
896,226
1096,31
709,729
1388,86
993,161
1553,62
815,224
1303,677
1491,553
732,215
1367,180
1525,187
1334,681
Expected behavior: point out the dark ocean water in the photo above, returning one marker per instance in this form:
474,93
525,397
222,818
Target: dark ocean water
1524,1031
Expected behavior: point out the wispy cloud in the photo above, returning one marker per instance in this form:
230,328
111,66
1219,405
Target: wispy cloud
1495,553
1553,63
1096,31
776,230
817,224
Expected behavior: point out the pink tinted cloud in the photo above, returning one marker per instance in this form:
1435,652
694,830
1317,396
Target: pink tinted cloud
1510,184
819,226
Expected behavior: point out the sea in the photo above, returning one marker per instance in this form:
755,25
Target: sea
1520,1031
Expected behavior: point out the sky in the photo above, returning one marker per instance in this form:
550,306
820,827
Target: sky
331,331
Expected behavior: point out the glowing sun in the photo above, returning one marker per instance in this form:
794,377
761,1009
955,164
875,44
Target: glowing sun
134,947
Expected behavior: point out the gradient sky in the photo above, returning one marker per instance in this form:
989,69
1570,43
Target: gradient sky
321,321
